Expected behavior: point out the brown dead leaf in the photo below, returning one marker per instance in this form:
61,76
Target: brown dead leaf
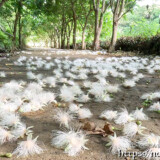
89,126
97,131
108,128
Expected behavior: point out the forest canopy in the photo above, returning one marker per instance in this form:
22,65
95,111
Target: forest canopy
75,24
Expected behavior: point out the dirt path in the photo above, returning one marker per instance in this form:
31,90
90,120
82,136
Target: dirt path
43,123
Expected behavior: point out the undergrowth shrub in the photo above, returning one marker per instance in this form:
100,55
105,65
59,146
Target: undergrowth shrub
143,45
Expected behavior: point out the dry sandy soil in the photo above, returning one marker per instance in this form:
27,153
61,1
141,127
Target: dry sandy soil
43,122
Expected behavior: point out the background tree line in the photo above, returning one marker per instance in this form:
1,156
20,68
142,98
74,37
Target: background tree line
74,23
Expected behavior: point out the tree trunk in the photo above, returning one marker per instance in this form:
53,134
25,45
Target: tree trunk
68,42
95,43
20,33
68,33
14,32
84,29
62,32
83,40
59,41
98,32
55,43
74,30
114,37
62,37
2,2
51,41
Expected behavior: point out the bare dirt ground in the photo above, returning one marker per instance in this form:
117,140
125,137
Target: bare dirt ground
44,124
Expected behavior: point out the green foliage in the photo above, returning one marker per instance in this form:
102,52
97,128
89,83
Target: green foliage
47,20
141,22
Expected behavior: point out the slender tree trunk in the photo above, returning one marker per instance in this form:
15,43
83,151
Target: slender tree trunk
51,41
64,37
98,33
59,41
70,28
14,32
83,40
118,12
55,43
2,2
20,23
74,30
98,21
84,29
68,41
20,33
96,40
62,32
114,37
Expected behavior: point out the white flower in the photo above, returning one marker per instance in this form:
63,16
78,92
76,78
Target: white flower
63,117
76,89
87,84
123,117
82,76
108,114
13,85
113,73
10,120
151,96
151,71
31,75
118,143
2,74
74,107
155,107
34,88
129,83
51,81
21,130
6,136
66,94
72,142
148,141
84,113
134,71
104,97
131,129
83,98
97,89
112,88
28,147
138,77
139,115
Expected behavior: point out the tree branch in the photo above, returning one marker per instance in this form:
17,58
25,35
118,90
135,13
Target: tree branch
2,29
111,5
94,4
121,8
128,10
117,7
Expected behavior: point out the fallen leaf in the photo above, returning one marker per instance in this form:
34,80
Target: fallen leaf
108,128
97,131
89,126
